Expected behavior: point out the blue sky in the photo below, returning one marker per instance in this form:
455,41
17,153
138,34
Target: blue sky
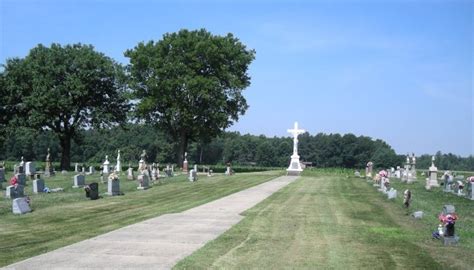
401,71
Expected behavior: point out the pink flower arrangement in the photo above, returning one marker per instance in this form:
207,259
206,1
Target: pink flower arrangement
447,219
383,173
13,181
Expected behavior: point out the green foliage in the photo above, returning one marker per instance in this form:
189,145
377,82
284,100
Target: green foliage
190,83
64,89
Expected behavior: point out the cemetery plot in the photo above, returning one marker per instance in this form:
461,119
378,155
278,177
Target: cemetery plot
62,218
329,221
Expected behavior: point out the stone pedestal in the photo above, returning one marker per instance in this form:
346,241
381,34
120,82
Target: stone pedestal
79,181
432,181
38,185
295,166
143,182
113,187
20,206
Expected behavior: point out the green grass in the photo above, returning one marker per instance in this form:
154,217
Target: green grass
327,220
60,219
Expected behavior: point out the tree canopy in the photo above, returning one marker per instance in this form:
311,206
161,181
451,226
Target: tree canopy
190,83
64,89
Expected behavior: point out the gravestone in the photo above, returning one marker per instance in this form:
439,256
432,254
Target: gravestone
79,180
432,180
76,167
38,185
185,163
368,169
295,165
130,175
118,166
48,170
21,178
193,175
397,172
447,181
91,170
458,188
357,173
392,194
470,189
209,173
2,175
106,164
20,206
30,168
15,191
143,181
407,198
113,185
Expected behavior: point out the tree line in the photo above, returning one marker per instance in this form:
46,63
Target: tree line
323,150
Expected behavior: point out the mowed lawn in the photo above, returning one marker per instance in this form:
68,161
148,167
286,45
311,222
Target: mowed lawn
331,221
60,219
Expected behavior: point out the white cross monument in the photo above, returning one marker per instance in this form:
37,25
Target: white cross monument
295,166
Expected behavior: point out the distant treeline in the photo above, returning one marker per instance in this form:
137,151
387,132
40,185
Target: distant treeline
323,150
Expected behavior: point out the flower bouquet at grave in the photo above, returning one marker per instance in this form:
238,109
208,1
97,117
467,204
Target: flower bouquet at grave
446,228
113,176
14,181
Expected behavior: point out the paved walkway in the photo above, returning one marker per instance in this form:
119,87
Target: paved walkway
157,243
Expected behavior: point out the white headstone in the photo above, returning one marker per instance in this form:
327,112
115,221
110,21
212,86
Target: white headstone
76,167
392,193
295,165
106,164
91,170
30,168
193,176
130,174
20,206
470,190
118,166
79,180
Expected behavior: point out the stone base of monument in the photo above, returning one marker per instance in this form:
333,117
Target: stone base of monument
450,241
295,166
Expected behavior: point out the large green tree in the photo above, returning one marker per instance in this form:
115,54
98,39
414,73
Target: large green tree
190,83
64,89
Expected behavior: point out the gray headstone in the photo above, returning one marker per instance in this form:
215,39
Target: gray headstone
2,175
392,193
30,168
14,192
470,190
143,181
21,177
38,185
130,175
91,170
79,180
193,175
20,206
448,209
113,187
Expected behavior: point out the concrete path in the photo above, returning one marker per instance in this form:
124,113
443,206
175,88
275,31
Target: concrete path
157,243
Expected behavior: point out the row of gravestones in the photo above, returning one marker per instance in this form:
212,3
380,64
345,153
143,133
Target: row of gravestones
407,176
445,231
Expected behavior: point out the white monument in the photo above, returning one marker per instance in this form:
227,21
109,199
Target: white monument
118,167
295,166
432,180
106,166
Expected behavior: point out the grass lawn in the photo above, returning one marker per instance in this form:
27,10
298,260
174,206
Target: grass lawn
60,219
331,221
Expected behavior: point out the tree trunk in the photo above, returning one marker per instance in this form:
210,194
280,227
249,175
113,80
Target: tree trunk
183,145
65,141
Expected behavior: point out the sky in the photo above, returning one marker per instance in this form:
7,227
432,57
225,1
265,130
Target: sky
400,71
